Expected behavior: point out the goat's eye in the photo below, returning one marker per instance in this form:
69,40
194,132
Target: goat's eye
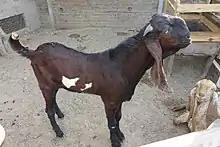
171,23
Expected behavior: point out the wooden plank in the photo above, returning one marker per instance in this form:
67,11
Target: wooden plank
182,8
200,48
171,5
190,16
209,24
212,17
205,37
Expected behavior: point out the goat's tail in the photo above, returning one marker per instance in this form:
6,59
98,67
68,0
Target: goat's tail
18,47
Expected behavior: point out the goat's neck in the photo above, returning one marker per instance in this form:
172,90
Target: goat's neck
134,58
135,61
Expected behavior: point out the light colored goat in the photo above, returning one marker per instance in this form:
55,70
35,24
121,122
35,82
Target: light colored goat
197,107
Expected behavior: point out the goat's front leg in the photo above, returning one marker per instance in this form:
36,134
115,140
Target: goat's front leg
118,118
57,109
181,119
51,109
179,107
111,109
190,125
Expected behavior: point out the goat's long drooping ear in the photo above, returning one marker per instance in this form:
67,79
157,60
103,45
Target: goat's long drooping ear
157,71
193,104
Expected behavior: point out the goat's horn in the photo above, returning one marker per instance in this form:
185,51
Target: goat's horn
148,29
14,36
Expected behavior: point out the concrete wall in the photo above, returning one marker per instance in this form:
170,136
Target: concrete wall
16,15
98,13
43,13
28,7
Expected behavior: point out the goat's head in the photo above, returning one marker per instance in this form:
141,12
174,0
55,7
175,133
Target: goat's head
204,90
164,36
171,31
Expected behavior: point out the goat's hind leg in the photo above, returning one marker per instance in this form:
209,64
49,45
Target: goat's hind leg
118,118
48,92
57,109
51,109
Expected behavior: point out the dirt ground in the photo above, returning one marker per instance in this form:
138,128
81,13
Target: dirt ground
146,118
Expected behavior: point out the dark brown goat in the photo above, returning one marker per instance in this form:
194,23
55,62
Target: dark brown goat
112,74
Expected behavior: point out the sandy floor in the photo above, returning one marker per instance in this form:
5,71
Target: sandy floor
146,118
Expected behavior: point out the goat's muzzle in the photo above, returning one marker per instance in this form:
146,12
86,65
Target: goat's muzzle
187,40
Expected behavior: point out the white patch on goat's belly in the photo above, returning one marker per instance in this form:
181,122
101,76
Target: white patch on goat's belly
69,82
87,86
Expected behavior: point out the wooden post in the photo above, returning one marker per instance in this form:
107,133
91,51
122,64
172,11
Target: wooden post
160,6
209,63
170,60
50,10
165,6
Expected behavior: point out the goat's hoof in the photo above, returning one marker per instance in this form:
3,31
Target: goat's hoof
175,109
121,136
175,122
60,115
165,88
116,143
59,133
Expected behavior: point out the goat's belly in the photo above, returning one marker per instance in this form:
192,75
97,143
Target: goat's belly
80,90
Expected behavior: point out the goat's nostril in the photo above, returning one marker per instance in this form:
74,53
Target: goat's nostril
187,37
201,94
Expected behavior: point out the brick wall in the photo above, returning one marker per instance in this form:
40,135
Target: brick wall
98,13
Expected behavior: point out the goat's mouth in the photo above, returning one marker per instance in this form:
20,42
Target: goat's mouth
185,43
201,99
